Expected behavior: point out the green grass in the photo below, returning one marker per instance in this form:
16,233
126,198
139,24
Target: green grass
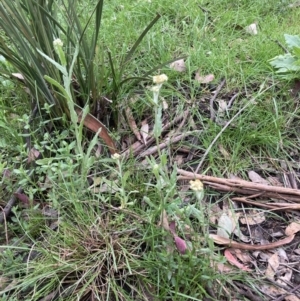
107,244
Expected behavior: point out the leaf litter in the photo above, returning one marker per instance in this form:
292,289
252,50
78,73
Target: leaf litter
245,232
178,65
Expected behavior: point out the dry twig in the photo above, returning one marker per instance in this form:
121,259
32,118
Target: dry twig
242,186
138,146
170,140
7,209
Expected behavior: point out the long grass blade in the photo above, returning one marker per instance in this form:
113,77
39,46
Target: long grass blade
140,38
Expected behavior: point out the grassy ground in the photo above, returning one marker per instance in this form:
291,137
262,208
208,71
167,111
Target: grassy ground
96,228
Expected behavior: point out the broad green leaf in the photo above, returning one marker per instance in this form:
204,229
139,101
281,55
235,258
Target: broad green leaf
285,63
296,52
292,40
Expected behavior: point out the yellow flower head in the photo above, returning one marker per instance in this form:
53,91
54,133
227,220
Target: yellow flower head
196,185
160,79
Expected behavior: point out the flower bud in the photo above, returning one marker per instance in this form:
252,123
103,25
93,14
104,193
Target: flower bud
160,79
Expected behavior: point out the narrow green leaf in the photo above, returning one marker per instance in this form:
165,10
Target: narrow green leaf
115,83
57,85
57,65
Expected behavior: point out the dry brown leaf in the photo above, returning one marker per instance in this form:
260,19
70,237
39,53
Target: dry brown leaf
98,150
23,198
224,152
292,228
222,106
256,178
144,131
132,124
272,290
3,282
6,173
223,268
242,256
284,275
273,265
204,79
264,256
230,258
94,125
164,221
253,217
291,298
233,244
179,160
274,181
32,155
178,65
215,213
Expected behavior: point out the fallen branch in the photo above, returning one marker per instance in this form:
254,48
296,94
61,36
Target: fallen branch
168,141
249,192
271,206
7,209
139,146
242,186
